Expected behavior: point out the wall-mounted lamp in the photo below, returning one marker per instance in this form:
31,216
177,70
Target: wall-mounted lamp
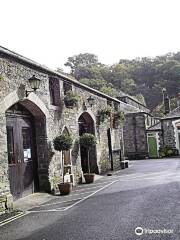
91,101
34,84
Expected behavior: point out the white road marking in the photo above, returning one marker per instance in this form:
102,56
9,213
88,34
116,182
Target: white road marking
72,205
13,218
83,198
134,176
90,195
49,204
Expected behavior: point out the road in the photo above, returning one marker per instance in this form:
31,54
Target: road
146,195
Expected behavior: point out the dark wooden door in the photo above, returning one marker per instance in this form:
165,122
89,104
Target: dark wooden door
21,157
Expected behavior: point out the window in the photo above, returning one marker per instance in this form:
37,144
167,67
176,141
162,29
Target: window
54,89
116,106
148,121
67,87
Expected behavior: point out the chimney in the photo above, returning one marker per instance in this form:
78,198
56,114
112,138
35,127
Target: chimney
166,101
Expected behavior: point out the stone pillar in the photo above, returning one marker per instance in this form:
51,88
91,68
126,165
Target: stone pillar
42,154
6,201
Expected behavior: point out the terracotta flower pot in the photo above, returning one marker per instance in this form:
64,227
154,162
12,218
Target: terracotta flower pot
89,177
65,188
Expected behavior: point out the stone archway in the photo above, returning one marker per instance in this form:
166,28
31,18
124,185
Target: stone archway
27,148
86,125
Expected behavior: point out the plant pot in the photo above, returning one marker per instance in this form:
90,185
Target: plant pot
89,177
65,188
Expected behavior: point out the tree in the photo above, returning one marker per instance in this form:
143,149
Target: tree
140,98
129,86
81,60
94,83
109,91
63,143
140,76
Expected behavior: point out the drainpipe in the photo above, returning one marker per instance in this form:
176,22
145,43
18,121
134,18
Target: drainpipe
110,148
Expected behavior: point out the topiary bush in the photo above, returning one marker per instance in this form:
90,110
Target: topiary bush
87,140
63,142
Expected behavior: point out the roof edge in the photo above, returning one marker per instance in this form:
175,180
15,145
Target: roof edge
45,69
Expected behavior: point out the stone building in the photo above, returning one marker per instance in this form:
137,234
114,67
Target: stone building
31,119
164,136
135,137
165,133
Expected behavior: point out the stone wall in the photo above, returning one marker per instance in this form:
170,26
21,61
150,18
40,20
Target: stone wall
50,121
168,133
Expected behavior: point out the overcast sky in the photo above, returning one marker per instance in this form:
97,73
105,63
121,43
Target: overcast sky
49,31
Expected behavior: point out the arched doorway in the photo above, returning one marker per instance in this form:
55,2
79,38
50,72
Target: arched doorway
22,152
86,125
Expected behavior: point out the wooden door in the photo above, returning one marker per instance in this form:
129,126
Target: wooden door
21,157
152,145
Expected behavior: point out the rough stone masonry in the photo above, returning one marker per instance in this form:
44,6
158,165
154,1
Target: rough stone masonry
50,117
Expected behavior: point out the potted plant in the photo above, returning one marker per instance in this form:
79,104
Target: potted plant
105,113
118,118
63,143
71,99
87,141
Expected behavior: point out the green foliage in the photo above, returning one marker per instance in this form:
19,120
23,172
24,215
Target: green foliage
140,77
159,110
63,142
141,99
118,118
71,99
105,112
94,83
119,115
81,61
128,85
1,78
167,151
109,91
87,140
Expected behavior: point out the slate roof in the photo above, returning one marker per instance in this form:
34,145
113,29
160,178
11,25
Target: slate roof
122,94
173,114
155,127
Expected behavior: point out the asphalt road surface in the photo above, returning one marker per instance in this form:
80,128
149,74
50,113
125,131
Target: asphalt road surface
144,198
